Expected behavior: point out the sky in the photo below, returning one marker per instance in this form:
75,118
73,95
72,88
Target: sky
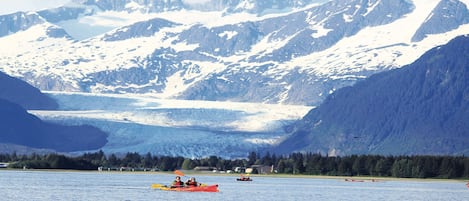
11,6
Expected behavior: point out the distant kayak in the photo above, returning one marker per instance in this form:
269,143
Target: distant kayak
244,177
363,180
354,180
208,188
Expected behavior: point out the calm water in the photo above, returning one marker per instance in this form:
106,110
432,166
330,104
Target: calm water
52,185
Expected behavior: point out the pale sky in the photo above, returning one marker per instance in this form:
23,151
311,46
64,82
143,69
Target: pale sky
11,6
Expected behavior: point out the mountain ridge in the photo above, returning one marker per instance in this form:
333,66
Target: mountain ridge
23,131
25,95
22,128
420,108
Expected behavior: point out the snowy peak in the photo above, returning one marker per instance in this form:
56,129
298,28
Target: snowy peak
139,29
19,21
64,13
226,6
320,27
447,16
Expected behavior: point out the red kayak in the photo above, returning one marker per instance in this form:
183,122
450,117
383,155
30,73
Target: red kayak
208,188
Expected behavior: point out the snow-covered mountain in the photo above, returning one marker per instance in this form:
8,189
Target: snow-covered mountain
217,53
291,52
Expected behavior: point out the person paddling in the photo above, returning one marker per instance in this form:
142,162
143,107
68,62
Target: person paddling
192,182
243,178
177,183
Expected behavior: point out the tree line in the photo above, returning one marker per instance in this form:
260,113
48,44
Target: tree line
419,166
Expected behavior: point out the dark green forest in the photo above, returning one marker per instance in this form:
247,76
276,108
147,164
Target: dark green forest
445,167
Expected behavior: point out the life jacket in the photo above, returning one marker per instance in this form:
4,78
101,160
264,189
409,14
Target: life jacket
177,184
191,183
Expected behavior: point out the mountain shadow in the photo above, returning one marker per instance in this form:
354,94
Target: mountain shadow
421,108
19,127
20,92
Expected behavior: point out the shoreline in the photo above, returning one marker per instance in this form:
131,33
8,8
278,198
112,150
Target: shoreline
235,175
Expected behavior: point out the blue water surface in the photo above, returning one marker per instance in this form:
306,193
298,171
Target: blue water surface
72,185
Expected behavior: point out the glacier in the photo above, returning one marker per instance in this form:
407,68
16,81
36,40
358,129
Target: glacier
144,124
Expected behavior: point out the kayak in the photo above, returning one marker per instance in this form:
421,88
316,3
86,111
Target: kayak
355,180
243,179
363,180
207,188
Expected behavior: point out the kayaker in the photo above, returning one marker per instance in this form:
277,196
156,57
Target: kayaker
191,182
177,183
243,178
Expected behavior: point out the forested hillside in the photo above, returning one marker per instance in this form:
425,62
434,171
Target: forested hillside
422,108
295,163
18,127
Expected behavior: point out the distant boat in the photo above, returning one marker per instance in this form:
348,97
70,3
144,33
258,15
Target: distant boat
244,178
354,180
361,180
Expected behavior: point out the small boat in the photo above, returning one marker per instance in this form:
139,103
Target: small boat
354,180
244,177
206,188
363,180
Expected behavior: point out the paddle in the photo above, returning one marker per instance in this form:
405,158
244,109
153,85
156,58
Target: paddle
158,186
178,172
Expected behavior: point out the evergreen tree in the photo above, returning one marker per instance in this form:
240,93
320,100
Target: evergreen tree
187,164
